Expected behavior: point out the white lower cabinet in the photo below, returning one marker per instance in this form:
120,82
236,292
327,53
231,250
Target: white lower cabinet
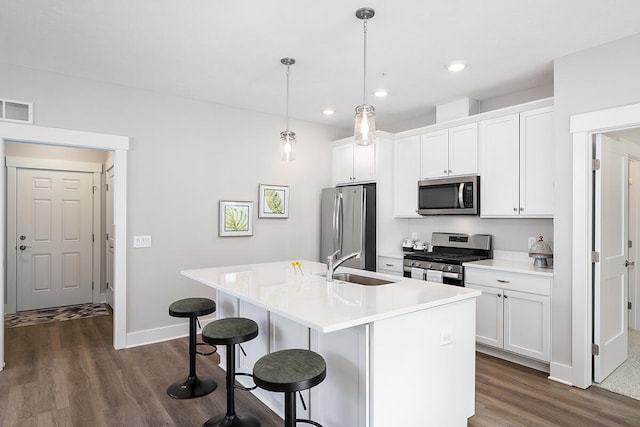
390,265
514,311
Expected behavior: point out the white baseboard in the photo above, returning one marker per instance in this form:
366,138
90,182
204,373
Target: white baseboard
520,360
164,333
561,373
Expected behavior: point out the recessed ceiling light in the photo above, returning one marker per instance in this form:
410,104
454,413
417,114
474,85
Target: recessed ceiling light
456,66
380,93
328,111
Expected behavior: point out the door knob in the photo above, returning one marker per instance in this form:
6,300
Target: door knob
629,264
23,247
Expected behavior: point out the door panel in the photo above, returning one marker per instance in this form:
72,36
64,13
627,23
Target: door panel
611,241
54,235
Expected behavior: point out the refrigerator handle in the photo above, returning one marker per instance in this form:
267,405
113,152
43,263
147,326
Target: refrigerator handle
340,233
363,224
337,221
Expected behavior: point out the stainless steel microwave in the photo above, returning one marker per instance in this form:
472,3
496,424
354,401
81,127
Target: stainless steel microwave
449,196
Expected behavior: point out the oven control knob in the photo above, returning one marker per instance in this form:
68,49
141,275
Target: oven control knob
428,265
442,267
449,268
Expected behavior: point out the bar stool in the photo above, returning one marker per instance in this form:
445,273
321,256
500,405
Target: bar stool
231,331
193,386
289,371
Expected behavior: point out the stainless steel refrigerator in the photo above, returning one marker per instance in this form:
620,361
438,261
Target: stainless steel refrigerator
348,223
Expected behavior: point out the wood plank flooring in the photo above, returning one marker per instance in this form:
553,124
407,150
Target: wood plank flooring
67,374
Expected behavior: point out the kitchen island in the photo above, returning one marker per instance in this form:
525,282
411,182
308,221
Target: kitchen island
401,353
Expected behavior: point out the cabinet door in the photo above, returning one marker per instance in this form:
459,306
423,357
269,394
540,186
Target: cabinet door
499,166
257,347
406,173
526,324
364,163
489,315
463,150
536,162
435,154
285,334
343,164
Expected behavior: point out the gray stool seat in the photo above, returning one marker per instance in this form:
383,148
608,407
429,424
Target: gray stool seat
289,371
231,331
193,386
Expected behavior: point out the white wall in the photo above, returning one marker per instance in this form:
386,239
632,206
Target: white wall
594,79
185,156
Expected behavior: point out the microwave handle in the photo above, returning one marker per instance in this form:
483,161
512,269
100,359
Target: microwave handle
461,196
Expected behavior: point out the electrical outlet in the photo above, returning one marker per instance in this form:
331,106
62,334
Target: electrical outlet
446,337
141,241
414,235
530,242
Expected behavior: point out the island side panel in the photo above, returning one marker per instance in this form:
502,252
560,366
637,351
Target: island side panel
342,399
423,367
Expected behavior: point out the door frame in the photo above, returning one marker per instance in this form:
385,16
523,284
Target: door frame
12,165
582,128
17,132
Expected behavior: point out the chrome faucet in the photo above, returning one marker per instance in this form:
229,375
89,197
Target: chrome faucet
332,266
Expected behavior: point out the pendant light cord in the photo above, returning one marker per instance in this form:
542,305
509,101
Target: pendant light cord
288,66
364,77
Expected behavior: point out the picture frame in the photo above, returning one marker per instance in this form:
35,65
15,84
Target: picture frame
235,219
273,201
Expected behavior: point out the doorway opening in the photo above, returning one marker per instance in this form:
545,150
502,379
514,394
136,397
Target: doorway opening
22,133
583,128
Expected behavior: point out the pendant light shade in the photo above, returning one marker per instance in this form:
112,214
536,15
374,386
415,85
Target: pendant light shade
287,137
365,122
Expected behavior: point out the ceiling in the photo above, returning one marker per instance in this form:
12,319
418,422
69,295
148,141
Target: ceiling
229,52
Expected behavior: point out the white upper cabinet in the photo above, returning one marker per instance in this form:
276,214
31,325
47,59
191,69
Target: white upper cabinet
516,165
450,152
406,174
353,163
536,162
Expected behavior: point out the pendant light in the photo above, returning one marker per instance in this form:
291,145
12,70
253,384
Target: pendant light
365,123
287,137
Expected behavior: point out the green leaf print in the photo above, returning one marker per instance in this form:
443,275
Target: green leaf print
235,219
274,201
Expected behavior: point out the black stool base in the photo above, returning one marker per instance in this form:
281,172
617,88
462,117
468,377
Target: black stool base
191,387
239,419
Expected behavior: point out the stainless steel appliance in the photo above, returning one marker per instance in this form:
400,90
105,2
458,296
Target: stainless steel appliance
449,196
348,223
444,263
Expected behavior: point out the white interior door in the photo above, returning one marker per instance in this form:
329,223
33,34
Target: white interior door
54,234
611,241
109,243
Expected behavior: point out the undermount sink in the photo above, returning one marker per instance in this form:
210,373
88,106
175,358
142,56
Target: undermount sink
360,280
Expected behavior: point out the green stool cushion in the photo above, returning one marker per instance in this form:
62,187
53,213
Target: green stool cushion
192,307
229,331
289,370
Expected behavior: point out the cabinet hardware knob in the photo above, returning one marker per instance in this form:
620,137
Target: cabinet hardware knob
521,209
506,296
503,281
444,171
515,209
499,295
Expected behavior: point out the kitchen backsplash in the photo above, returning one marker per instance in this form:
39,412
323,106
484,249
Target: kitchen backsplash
508,234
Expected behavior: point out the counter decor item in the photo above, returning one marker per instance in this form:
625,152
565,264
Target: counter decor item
540,251
407,245
273,201
235,219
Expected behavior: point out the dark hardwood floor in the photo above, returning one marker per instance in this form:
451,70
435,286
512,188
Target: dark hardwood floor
67,374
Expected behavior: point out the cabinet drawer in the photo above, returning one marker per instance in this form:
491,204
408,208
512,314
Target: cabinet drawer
390,264
508,280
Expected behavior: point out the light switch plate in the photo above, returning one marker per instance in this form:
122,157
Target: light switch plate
141,241
446,337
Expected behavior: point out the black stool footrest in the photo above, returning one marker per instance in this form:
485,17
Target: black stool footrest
241,387
308,422
215,349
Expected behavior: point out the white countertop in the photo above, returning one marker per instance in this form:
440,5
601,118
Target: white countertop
514,266
308,299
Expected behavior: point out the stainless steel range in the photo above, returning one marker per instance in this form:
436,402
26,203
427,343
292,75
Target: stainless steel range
444,263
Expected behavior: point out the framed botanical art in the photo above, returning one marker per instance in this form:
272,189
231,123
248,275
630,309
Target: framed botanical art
236,218
273,201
